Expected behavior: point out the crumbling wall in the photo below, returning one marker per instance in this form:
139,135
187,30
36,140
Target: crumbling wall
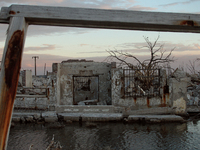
135,103
193,91
66,73
52,91
25,78
41,96
178,84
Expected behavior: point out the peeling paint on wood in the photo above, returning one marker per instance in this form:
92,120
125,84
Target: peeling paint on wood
11,64
12,12
12,67
189,23
13,58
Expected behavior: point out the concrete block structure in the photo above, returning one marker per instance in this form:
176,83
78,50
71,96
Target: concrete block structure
84,86
83,81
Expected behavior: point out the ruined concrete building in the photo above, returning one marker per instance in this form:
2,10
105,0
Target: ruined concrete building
19,17
76,85
83,83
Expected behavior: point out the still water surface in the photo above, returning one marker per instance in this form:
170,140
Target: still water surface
108,136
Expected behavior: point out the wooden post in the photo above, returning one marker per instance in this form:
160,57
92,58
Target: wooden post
10,69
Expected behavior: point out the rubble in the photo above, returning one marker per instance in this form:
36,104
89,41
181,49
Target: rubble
179,106
188,90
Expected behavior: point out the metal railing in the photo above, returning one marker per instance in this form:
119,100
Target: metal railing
141,82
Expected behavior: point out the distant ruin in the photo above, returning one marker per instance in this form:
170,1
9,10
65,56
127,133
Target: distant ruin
73,84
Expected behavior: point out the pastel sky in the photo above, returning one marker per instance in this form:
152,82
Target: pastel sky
55,44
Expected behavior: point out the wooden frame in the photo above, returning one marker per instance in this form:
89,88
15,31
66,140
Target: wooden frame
99,18
20,16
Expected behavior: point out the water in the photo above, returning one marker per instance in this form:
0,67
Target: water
108,136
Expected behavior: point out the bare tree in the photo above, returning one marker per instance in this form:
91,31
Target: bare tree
158,57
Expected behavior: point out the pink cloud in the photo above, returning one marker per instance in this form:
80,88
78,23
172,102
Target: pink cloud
84,44
138,8
40,48
105,7
178,3
197,45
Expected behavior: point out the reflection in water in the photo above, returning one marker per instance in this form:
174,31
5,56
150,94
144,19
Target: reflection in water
115,136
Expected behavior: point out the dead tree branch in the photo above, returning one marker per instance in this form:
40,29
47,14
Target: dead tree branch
158,57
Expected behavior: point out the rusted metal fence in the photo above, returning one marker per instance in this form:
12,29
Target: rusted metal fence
142,82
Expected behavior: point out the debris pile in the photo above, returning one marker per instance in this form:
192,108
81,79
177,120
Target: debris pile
193,93
193,86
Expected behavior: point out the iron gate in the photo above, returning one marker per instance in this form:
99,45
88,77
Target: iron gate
141,82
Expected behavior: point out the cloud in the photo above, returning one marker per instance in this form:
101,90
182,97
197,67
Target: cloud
139,8
36,30
178,3
28,62
40,48
46,30
141,48
197,45
102,4
92,52
84,45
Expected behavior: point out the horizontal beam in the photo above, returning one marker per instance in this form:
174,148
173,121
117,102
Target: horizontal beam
99,18
30,96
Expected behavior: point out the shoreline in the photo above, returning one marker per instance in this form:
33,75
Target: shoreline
52,117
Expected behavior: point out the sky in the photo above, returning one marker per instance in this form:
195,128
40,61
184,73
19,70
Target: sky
55,44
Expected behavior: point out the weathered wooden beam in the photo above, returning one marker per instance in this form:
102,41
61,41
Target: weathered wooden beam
111,19
4,18
10,69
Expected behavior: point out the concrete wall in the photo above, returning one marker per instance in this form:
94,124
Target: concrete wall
28,78
178,84
25,78
143,102
39,100
61,91
68,70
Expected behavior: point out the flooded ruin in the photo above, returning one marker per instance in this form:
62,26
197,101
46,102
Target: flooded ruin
110,92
